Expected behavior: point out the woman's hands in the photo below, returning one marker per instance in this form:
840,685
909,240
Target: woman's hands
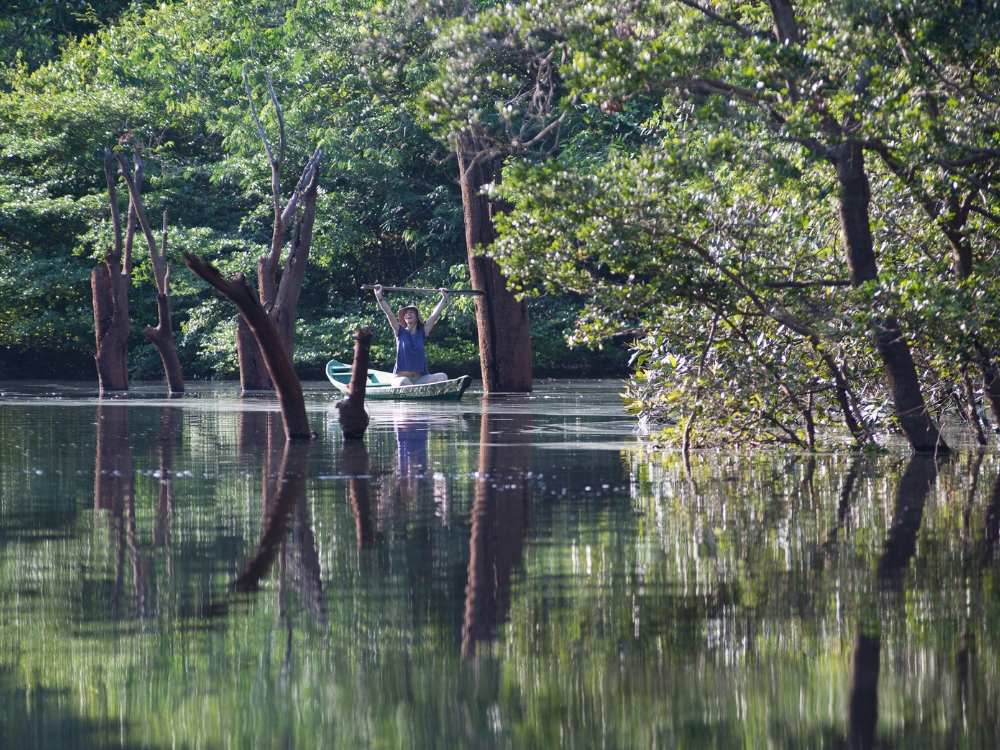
444,294
378,292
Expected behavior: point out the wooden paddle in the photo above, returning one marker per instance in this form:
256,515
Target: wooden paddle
369,287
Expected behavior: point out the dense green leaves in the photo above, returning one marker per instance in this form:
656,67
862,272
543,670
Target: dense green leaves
672,168
168,80
704,218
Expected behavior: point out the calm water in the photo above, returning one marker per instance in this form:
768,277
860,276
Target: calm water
511,572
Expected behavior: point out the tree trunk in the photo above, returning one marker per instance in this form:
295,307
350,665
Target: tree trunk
280,299
279,365
352,415
502,320
855,195
286,302
162,337
893,348
109,284
253,372
111,329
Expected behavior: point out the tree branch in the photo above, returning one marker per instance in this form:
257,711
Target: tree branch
740,29
256,119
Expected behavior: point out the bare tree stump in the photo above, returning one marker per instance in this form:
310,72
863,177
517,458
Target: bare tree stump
109,284
353,417
279,364
162,337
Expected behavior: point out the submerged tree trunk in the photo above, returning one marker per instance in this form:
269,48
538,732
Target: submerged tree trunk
891,343
109,284
279,365
504,332
162,337
352,415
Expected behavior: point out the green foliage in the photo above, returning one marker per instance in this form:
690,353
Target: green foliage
32,32
168,80
693,204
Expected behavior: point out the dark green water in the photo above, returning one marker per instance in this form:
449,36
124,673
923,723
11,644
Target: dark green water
510,573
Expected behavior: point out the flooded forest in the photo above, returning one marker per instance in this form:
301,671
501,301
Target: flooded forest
547,373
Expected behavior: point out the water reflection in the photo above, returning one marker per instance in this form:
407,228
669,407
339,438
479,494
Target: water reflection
283,494
511,572
911,495
356,465
113,489
914,485
500,517
862,692
163,447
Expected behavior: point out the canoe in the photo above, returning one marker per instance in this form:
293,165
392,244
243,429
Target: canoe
379,386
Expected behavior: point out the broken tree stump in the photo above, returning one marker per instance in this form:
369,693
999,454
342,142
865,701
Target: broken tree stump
277,361
162,337
353,417
109,284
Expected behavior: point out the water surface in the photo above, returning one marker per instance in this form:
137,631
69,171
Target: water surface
504,572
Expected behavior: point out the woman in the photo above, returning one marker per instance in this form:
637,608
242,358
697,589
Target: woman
411,333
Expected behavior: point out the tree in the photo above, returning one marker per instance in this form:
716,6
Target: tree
162,337
110,283
480,53
280,298
795,97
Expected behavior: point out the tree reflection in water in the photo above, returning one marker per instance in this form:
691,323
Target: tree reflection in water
283,491
354,463
752,600
115,493
501,513
919,477
163,447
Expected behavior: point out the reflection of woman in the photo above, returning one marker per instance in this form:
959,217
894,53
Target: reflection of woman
406,483
411,439
411,333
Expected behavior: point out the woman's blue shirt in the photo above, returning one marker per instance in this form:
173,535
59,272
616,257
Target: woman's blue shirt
410,355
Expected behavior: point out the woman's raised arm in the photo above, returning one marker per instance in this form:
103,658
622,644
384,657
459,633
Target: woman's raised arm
386,309
437,311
